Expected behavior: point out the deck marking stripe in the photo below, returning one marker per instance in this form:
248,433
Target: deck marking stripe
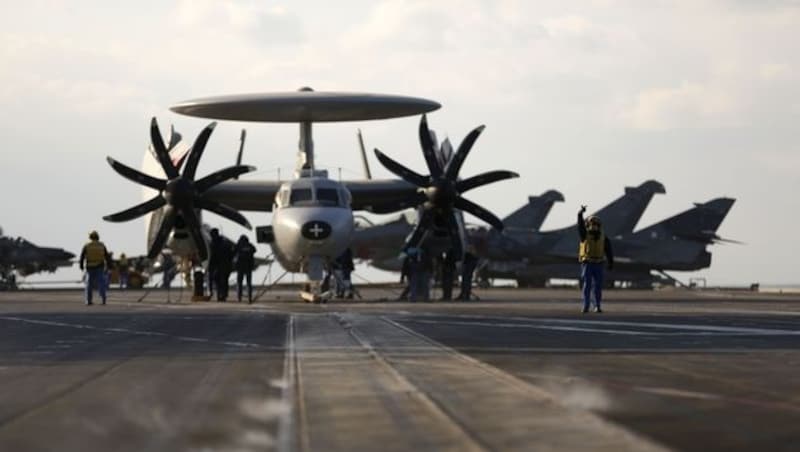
543,322
129,331
286,425
435,408
630,436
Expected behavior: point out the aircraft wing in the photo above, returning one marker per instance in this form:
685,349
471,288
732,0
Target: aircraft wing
245,195
381,196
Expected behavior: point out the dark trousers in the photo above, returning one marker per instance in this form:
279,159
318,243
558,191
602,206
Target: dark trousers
592,280
222,283
95,279
212,279
448,277
240,277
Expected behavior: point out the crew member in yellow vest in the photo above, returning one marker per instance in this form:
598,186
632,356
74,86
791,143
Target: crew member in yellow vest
94,258
593,252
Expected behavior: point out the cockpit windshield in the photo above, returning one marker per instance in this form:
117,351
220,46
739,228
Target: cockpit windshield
300,195
310,192
328,196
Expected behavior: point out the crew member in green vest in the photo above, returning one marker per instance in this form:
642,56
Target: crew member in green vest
593,252
94,258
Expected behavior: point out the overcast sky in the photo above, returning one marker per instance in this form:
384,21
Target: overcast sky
584,97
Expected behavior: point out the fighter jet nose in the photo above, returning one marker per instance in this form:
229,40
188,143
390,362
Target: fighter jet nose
316,230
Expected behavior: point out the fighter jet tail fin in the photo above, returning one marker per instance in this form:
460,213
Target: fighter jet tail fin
532,215
621,216
699,224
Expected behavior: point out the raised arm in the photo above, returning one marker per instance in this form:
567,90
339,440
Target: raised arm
581,224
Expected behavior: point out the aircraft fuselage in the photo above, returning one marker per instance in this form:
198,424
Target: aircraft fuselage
312,223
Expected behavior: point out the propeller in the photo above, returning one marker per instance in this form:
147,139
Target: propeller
180,193
440,192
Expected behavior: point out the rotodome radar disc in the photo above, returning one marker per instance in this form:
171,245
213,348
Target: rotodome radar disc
305,106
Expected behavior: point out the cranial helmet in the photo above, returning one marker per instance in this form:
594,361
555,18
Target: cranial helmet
94,235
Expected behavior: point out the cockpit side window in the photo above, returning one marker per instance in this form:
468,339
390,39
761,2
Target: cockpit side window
327,196
346,197
300,195
282,200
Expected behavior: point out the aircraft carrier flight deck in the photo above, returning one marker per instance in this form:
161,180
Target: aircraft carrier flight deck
515,370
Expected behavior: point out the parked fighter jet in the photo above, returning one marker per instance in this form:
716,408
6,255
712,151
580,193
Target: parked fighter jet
531,216
21,257
513,251
312,221
517,246
677,243
378,243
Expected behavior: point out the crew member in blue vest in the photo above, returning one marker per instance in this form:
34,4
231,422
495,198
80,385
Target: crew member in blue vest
594,251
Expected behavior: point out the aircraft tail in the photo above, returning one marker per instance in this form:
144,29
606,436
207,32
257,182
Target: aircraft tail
621,216
699,224
533,214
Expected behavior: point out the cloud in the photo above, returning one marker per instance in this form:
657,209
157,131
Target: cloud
259,22
688,105
61,74
776,71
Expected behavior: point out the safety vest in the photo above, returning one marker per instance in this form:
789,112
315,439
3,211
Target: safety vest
95,253
591,249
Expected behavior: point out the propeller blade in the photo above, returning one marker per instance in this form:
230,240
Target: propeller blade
414,239
220,176
469,206
195,229
136,175
161,150
197,151
483,179
163,233
454,229
398,169
137,211
428,148
454,166
222,210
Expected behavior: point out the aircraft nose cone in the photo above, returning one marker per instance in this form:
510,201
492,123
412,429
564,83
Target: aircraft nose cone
316,230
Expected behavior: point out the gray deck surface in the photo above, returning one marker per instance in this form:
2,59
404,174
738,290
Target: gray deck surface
518,370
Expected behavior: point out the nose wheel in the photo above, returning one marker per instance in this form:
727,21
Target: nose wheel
312,293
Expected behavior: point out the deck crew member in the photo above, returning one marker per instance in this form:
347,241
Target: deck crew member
244,262
95,259
593,250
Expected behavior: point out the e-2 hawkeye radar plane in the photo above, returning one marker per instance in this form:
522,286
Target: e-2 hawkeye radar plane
312,221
